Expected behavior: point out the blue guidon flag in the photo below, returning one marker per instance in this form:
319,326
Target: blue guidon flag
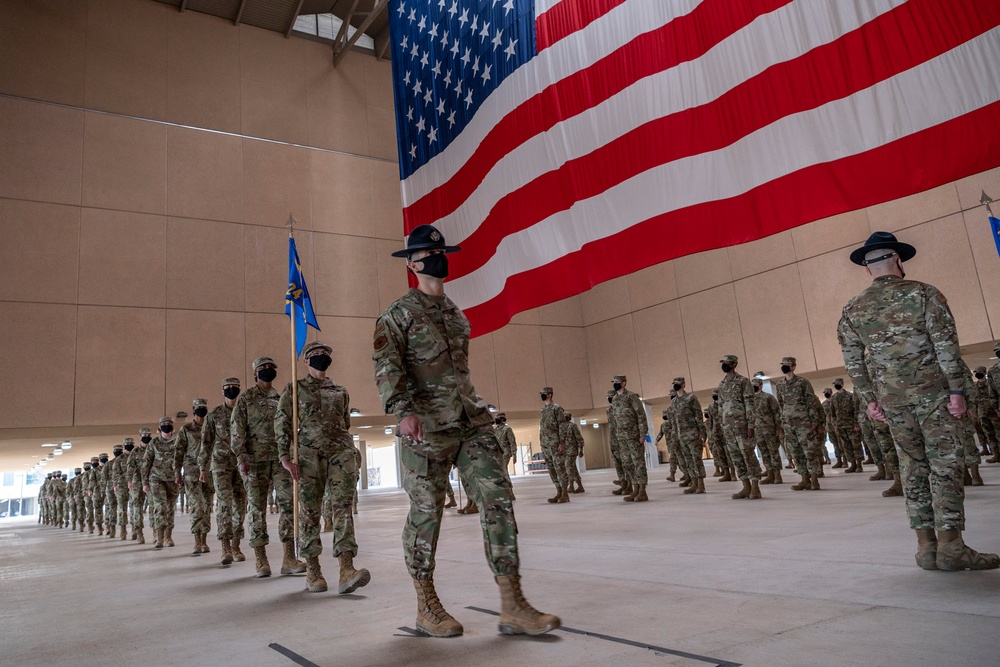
298,305
563,143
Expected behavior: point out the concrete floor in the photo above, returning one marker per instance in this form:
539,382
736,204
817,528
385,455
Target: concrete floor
798,578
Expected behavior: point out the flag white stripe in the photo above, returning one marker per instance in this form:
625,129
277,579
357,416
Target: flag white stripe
542,6
779,37
596,41
937,91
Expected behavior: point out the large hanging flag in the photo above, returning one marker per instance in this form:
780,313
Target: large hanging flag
563,143
298,305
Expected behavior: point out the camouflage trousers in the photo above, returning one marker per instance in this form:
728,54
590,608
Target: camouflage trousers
770,449
197,504
60,511
850,443
571,469
633,454
122,494
967,428
616,456
886,447
110,508
476,453
932,464
831,433
717,445
89,502
691,448
989,423
231,507
98,503
258,485
677,459
556,465
802,452
81,511
336,469
740,448
137,502
163,497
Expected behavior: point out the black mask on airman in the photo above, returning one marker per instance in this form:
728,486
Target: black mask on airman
726,368
827,394
231,393
145,439
267,374
617,386
435,265
543,395
200,411
104,459
167,428
838,387
786,369
756,388
86,467
715,397
677,387
320,361
129,448
980,376
118,453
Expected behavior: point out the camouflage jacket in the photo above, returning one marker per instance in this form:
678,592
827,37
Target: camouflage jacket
612,432
549,433
187,449
993,377
736,400
569,435
714,422
828,414
668,430
215,452
421,358
58,489
133,467
983,393
686,413
118,467
766,412
908,329
95,482
629,416
324,417
508,443
797,410
71,489
845,409
251,429
158,463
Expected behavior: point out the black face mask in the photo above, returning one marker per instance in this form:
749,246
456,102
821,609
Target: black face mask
756,388
167,428
267,374
200,412
86,469
786,369
231,393
497,422
617,386
435,265
980,376
145,439
611,399
129,448
827,395
715,398
726,368
320,362
104,459
544,396
677,387
838,387
118,453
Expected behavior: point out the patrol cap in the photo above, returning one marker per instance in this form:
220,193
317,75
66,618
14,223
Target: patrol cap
789,361
95,458
569,417
757,381
620,378
729,359
312,347
145,431
129,441
165,420
263,361
838,380
230,382
77,470
679,380
612,392
882,241
502,415
425,237
199,403
980,369
104,455
117,447
547,390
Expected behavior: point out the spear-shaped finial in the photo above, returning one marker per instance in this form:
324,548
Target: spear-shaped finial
291,223
985,199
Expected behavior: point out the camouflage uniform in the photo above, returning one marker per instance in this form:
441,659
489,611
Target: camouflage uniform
630,430
967,430
325,452
59,497
766,429
508,445
668,431
159,475
217,455
572,439
549,435
831,431
84,507
74,501
736,410
133,475
110,497
987,417
119,483
96,486
186,454
845,419
716,438
691,432
801,417
421,359
616,454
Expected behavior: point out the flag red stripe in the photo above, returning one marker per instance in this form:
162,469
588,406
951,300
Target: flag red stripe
903,38
683,39
911,164
568,17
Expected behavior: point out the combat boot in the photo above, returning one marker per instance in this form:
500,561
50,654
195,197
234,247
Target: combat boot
996,456
927,544
139,537
328,526
432,619
859,468
672,478
315,583
815,483
977,479
853,467
197,545
204,543
701,485
821,474
803,485
954,555
124,534
227,551
685,480
732,474
754,490
238,555
470,508
451,502
839,463
564,496
579,488
744,492
896,489
111,531
879,474
769,478
468,504
263,567
692,487
159,538
777,476
517,617
168,536
289,564
641,496
633,492
869,461
623,489
725,476
100,529
717,473
966,477
350,578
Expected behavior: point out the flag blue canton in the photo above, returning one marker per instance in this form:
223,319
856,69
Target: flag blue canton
995,228
298,305
447,57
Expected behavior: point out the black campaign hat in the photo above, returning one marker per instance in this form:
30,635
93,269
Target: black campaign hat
425,237
880,241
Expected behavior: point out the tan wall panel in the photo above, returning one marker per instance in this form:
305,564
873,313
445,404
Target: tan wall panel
386,200
908,211
39,251
120,375
124,164
205,265
346,80
337,123
392,282
341,191
564,353
202,348
202,97
37,392
351,340
269,335
529,316
764,254
711,330
43,47
520,369
606,300
273,112
773,320
483,370
203,42
833,233
970,190
268,57
204,175
652,285
702,271
275,184
266,268
659,341
987,264
567,313
382,133
135,28
126,83
122,258
611,350
42,149
376,73
346,273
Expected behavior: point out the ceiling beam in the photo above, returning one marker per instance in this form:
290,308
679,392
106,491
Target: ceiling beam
379,7
341,38
382,43
239,13
183,5
295,16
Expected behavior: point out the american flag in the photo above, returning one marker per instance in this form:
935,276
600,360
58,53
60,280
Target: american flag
563,143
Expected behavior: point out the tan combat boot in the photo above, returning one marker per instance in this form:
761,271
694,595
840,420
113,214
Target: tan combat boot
633,491
432,619
579,487
621,488
451,502
859,463
717,473
517,617
693,487
777,476
954,555
159,538
803,485
470,508
745,492
769,478
754,489
896,489
853,467
671,478
289,564
197,545
815,483
123,533
315,583
725,475
139,537
641,496
879,473
977,479
327,526
350,578
204,543
111,531
227,551
263,567
168,536
701,485
553,499
238,555
564,496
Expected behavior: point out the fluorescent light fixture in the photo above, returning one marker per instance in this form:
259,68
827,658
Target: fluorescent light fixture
67,445
357,438
583,422
355,412
388,430
369,426
596,425
50,445
57,452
